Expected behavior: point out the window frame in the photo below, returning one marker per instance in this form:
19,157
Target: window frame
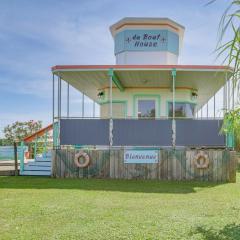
153,97
181,102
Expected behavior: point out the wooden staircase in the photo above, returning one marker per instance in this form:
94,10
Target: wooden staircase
40,166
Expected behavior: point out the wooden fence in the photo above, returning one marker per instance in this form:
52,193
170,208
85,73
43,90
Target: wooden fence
171,165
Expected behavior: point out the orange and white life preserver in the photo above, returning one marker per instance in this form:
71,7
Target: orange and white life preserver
201,160
83,155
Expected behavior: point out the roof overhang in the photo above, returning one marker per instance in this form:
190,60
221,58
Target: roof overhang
89,79
152,22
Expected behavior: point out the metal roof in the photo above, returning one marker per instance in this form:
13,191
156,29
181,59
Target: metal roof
152,22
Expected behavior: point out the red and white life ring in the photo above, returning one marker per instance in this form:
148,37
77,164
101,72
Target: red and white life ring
201,160
83,155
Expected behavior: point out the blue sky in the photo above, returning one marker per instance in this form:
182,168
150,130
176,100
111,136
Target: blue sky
36,35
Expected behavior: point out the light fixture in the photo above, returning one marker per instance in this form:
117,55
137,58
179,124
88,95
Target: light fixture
194,95
101,95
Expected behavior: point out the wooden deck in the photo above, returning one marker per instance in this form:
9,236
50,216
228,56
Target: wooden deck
7,168
171,165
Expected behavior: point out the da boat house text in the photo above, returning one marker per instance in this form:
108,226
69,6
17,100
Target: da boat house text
146,40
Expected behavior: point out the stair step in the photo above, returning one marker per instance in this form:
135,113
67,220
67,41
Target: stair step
35,173
8,164
37,168
7,172
49,154
43,159
39,164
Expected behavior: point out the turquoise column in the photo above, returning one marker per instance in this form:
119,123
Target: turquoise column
174,74
22,157
55,135
230,140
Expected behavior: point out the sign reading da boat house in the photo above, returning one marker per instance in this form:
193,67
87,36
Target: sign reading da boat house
146,40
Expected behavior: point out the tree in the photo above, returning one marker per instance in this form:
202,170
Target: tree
4,142
19,130
228,47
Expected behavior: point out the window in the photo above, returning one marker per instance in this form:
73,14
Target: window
146,109
181,110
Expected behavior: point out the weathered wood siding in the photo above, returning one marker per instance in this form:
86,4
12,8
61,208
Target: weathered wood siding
63,164
172,165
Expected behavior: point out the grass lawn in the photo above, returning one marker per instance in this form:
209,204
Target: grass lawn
44,208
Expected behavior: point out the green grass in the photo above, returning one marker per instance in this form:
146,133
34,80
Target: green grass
43,208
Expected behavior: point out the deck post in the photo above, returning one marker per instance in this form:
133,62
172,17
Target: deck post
67,99
174,73
228,100
214,106
60,97
15,158
93,109
53,98
53,103
22,158
60,105
110,74
225,96
82,105
233,95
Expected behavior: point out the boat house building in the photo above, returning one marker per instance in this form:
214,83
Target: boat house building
149,125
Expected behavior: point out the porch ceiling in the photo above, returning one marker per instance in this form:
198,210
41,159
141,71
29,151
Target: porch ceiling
90,79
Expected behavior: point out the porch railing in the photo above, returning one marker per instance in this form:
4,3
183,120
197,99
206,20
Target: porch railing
141,132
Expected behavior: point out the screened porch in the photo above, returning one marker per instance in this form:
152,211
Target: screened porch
173,106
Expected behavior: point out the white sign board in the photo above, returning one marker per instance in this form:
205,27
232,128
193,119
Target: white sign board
141,156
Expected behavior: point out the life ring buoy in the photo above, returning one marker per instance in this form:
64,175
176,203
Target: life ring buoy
201,160
83,155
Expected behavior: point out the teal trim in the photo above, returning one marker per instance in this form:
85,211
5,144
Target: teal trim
116,80
118,83
22,157
55,134
125,102
143,148
110,72
230,140
170,101
146,96
174,72
77,147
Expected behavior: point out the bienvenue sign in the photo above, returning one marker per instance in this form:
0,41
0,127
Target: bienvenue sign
140,156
